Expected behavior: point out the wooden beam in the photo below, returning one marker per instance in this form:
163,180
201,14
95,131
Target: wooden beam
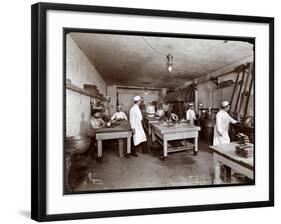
82,91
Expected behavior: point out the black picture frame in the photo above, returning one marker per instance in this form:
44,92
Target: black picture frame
39,110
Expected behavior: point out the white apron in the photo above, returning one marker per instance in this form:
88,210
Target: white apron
222,123
119,116
190,116
135,122
150,109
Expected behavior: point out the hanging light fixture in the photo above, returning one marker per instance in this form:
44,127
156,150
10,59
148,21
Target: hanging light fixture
145,91
169,62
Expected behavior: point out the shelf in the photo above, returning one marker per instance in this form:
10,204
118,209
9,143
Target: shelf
83,91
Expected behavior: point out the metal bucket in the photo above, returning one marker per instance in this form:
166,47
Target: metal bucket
77,144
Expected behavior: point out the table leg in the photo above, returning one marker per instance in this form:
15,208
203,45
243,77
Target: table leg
99,159
196,146
227,174
149,128
217,169
128,146
99,148
165,148
153,137
120,141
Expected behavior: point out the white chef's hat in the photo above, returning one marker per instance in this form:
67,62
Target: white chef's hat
224,103
137,98
191,104
119,106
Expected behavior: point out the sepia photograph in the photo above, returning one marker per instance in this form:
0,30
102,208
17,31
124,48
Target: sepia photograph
152,111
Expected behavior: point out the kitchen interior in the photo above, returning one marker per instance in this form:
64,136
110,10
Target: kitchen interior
105,72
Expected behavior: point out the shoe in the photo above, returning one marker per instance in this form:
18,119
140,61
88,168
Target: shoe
100,160
134,154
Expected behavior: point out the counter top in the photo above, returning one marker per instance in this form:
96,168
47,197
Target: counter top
175,128
115,127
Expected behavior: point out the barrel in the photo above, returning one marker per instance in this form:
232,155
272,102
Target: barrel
207,130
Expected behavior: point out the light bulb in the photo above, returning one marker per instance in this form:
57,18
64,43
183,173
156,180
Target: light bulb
169,68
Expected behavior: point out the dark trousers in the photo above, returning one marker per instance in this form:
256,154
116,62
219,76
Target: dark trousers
143,147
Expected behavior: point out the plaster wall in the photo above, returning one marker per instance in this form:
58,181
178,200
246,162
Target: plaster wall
80,71
124,96
210,96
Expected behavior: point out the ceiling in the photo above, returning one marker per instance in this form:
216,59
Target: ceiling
142,60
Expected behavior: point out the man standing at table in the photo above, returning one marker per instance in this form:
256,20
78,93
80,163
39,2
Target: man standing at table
223,119
160,112
150,111
139,137
119,115
190,114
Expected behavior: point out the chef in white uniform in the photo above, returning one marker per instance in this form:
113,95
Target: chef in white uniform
150,110
223,119
139,136
119,115
190,114
160,112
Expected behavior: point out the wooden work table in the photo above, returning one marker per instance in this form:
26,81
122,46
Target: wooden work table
148,121
225,155
177,132
120,131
